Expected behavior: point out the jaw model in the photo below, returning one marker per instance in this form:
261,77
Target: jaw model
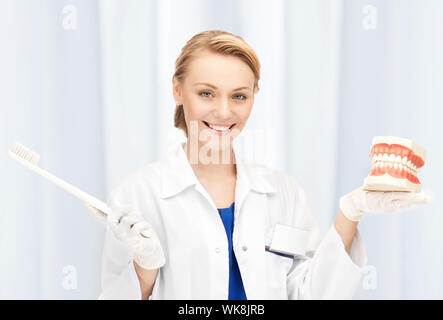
395,163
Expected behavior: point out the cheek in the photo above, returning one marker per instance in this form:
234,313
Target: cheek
195,109
244,113
193,115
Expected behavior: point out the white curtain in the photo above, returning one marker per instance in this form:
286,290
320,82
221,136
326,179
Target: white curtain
87,85
50,102
390,82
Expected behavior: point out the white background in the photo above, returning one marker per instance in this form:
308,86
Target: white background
87,85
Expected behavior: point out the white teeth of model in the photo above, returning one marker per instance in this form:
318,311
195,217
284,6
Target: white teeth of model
400,161
219,128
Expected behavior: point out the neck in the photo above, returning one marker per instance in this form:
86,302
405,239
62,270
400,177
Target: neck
221,167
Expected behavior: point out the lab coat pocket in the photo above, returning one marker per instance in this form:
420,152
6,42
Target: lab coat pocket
285,243
289,240
277,267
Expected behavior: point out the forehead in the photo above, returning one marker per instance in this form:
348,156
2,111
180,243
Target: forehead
218,68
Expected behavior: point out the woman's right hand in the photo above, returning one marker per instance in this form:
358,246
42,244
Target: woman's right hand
137,234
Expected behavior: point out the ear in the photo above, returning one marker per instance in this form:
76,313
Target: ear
176,91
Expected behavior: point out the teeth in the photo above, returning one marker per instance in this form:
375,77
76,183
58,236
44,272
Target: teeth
219,128
391,158
387,161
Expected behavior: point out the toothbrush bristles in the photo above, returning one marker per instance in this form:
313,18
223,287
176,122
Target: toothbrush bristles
25,153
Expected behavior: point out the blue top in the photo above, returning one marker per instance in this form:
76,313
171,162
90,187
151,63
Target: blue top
236,290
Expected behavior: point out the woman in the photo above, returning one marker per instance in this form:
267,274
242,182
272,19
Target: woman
202,223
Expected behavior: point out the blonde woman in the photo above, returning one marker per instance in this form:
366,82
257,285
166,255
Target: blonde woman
204,223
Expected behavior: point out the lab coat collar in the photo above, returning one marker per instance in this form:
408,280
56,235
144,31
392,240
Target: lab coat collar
178,175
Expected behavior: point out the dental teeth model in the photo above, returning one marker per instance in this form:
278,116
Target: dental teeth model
395,163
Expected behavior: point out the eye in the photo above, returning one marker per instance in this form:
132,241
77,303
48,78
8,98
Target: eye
205,92
240,95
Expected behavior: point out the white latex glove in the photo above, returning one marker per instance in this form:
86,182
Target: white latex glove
356,203
137,234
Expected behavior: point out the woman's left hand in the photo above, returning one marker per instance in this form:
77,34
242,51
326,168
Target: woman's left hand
356,203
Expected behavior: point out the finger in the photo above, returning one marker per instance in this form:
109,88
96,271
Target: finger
145,234
113,221
400,195
410,202
129,221
409,196
118,211
140,226
144,229
114,217
426,197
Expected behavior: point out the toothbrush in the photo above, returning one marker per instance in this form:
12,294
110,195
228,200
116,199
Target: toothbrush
29,159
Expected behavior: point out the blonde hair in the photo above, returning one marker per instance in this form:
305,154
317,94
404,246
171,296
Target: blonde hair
216,41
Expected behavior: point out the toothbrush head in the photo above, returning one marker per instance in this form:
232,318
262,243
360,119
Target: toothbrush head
24,153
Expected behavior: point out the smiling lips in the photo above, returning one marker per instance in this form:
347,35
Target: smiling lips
219,129
395,164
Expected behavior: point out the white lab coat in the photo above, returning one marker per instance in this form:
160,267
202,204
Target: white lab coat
271,211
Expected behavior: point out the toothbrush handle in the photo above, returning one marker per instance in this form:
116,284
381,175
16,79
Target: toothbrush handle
64,185
98,207
101,214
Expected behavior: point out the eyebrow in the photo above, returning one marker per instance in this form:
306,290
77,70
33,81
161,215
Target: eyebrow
214,87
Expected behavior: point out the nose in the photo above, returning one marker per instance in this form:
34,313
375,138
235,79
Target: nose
223,110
